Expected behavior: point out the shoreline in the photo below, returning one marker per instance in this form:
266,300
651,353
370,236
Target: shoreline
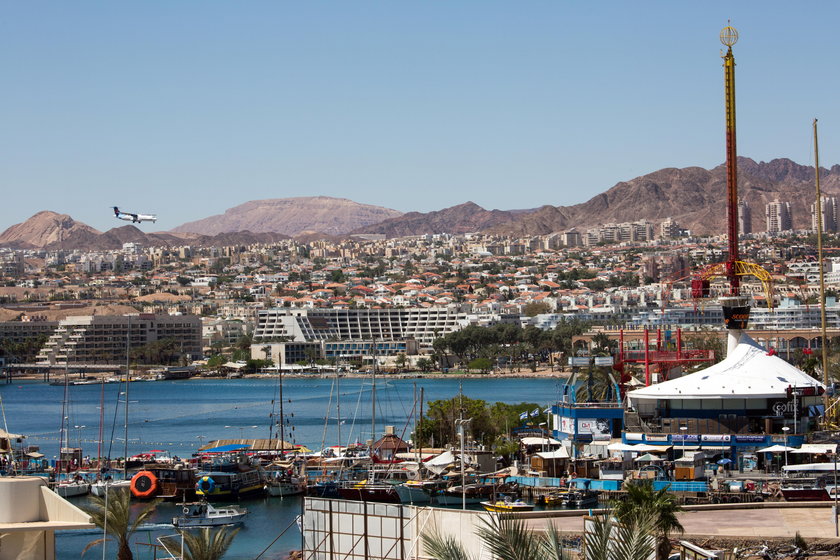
97,377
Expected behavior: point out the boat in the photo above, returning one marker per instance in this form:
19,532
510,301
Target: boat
473,493
417,491
70,488
202,514
235,481
100,487
578,498
553,499
367,491
163,480
806,490
507,505
282,482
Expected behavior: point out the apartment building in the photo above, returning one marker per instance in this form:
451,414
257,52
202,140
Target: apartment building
828,207
778,217
106,339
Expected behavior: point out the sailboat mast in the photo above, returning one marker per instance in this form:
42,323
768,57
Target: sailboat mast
127,384
282,418
101,422
338,407
820,265
373,396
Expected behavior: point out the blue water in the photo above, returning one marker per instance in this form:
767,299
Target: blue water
180,416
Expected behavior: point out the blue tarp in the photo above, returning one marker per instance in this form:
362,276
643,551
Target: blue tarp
226,448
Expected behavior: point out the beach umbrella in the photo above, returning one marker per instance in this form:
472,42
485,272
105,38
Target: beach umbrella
724,461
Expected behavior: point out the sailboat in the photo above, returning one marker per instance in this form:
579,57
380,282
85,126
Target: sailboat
101,486
281,479
67,455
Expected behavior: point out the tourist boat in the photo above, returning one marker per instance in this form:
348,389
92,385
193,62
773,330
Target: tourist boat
366,491
280,483
214,485
164,480
202,514
806,490
507,505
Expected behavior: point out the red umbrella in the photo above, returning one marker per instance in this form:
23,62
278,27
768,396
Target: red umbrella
158,451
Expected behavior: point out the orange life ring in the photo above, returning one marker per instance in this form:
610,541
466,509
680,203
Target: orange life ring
144,484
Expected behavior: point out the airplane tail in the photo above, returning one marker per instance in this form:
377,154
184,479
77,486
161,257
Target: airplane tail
116,211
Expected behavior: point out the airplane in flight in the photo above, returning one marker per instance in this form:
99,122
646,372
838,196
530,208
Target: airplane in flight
131,217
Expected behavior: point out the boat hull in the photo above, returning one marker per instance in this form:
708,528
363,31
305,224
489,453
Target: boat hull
507,507
72,489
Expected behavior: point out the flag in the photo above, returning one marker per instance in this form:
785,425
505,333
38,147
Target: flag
535,412
523,415
547,410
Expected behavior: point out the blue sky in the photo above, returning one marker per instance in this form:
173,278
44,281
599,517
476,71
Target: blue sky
189,108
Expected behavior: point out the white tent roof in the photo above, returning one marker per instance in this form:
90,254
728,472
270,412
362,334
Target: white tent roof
561,453
747,372
774,449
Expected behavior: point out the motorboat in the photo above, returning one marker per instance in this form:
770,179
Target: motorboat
230,484
554,499
507,505
417,491
68,489
202,514
577,498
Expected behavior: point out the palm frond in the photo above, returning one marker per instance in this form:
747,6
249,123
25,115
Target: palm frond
551,545
508,539
205,544
444,547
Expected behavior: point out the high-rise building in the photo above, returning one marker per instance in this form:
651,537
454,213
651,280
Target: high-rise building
829,214
669,229
778,216
744,217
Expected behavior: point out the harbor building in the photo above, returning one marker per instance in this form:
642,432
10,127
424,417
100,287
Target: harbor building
92,339
287,354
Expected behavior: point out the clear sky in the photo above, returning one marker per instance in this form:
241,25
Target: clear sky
188,108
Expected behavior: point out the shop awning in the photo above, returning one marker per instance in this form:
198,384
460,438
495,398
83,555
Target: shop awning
817,448
775,449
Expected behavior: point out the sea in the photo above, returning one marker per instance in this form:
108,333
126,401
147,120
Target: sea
177,417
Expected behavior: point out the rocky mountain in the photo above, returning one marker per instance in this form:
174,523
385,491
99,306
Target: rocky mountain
46,228
291,216
52,231
463,218
693,196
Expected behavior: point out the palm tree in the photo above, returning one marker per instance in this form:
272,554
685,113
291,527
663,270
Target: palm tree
112,513
206,544
608,538
661,505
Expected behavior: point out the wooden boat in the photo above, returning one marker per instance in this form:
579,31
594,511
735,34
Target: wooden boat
164,480
417,491
369,492
282,483
507,506
202,514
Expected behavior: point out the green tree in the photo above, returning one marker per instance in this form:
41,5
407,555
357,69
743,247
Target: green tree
660,505
481,364
116,520
206,544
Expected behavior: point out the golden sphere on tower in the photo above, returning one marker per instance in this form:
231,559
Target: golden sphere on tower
729,36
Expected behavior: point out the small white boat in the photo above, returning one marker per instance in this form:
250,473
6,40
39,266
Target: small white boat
99,487
72,488
202,514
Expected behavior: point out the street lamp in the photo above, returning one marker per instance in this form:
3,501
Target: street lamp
683,429
786,429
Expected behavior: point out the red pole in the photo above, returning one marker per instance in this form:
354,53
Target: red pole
647,358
